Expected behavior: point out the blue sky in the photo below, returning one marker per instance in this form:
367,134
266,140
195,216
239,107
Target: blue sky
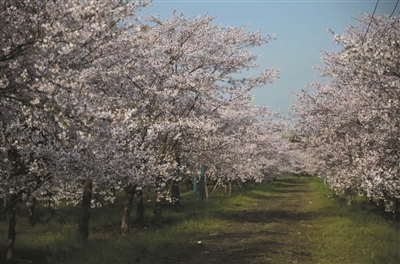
300,28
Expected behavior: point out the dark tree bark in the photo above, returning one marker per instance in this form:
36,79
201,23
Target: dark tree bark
217,185
230,187
84,216
369,200
381,204
11,235
240,185
129,193
50,204
3,205
195,184
206,190
31,211
4,202
175,194
201,189
140,208
349,196
159,196
396,208
189,184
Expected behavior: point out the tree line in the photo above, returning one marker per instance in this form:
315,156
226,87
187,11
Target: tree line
94,98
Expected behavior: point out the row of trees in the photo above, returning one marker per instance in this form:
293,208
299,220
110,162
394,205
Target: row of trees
91,92
350,123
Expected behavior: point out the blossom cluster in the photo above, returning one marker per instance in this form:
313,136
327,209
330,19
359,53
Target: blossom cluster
90,90
351,122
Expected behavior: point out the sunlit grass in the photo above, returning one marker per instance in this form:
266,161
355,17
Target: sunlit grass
351,234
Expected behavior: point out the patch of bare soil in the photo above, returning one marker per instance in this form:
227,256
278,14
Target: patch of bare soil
272,230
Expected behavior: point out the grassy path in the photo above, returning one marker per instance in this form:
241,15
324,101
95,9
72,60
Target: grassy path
289,221
271,230
297,221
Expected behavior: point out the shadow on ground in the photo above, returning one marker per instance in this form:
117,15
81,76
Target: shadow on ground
263,216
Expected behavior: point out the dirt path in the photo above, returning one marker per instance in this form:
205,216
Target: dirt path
272,230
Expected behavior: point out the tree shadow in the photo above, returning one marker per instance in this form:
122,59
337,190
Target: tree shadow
266,196
263,216
291,191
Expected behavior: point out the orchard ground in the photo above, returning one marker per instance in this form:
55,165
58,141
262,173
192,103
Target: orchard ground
289,221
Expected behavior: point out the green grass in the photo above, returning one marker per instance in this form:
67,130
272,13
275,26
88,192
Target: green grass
53,238
360,233
301,219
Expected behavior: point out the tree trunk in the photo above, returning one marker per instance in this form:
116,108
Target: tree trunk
50,205
396,208
189,184
4,202
381,204
84,216
3,216
31,211
11,235
140,208
157,210
129,193
206,190
201,189
240,186
230,187
195,184
216,186
349,196
175,195
369,200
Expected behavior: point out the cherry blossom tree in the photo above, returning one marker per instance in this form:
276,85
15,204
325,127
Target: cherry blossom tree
179,85
54,114
83,96
350,123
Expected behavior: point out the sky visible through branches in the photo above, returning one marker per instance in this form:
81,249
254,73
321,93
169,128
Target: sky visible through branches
300,28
